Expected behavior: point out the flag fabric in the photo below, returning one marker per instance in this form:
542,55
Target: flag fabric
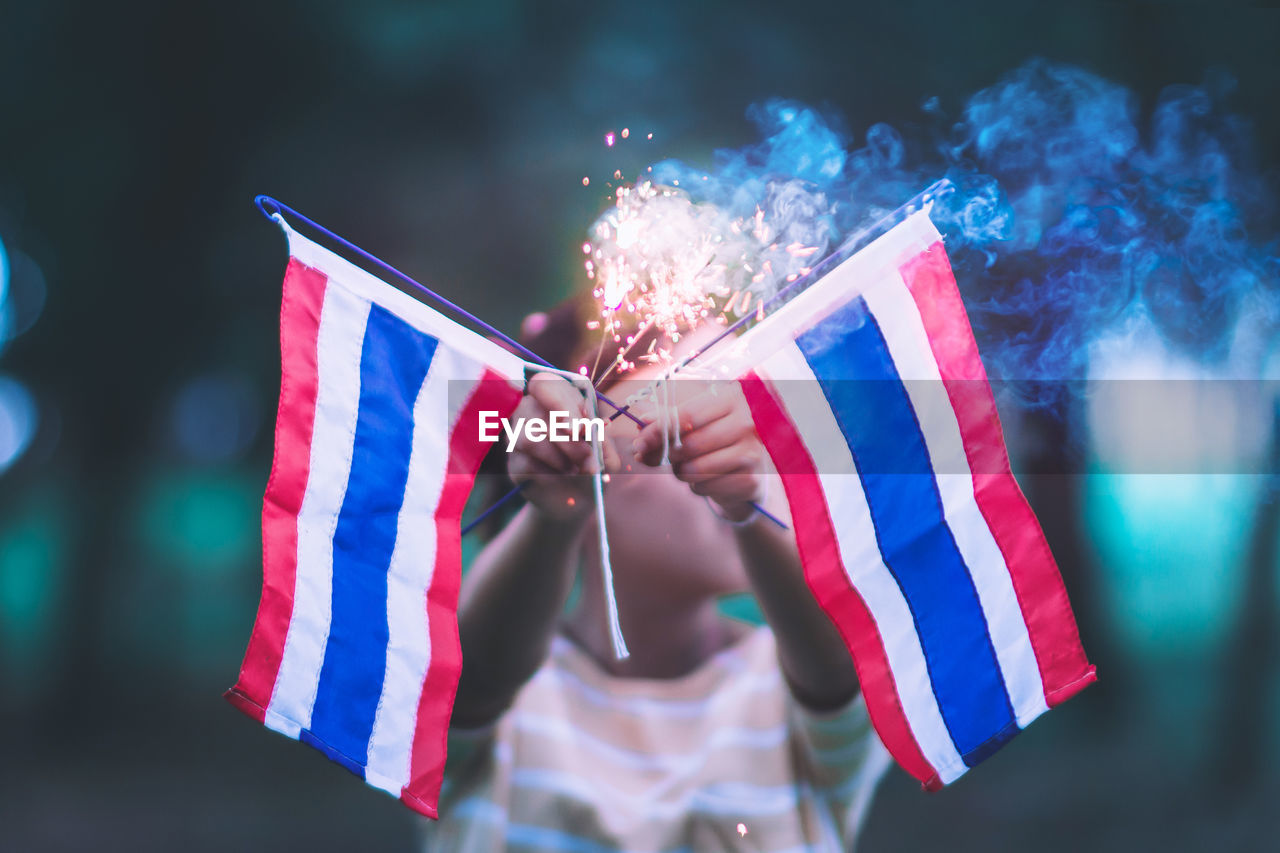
355,648
869,395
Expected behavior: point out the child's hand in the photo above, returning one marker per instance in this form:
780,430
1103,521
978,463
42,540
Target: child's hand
555,475
720,456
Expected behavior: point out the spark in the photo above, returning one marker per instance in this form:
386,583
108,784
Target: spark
728,306
799,250
742,830
608,139
650,136
586,182
626,132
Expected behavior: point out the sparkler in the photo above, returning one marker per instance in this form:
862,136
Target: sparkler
662,264
664,259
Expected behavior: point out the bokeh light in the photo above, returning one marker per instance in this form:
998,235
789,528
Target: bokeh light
22,293
4,293
214,418
18,420
33,562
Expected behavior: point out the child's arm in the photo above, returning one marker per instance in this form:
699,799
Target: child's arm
721,457
514,592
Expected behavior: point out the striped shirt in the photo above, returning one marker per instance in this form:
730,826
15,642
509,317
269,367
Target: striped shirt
586,762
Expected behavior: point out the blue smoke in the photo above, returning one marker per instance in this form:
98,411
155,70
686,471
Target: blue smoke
1076,216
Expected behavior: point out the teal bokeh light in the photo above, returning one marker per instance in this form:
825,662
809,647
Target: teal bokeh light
33,574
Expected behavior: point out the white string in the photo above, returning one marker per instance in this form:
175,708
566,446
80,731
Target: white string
620,651
668,415
664,418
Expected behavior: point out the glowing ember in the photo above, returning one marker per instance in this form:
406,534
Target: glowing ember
608,139
626,132
586,182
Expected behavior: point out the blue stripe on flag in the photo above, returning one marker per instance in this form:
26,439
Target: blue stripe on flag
393,366
855,370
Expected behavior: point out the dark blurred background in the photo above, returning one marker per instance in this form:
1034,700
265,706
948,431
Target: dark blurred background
139,368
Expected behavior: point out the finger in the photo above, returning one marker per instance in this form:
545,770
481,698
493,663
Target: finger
691,412
701,429
580,452
649,443
555,393
701,410
720,433
741,487
550,454
743,456
612,460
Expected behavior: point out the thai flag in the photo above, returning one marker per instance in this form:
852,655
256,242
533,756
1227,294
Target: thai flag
868,392
355,648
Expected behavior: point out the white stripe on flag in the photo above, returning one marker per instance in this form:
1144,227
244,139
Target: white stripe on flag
422,317
413,561
809,411
340,342
899,319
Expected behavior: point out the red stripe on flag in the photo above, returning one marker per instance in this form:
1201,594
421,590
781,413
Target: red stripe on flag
300,308
435,706
824,572
1064,669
